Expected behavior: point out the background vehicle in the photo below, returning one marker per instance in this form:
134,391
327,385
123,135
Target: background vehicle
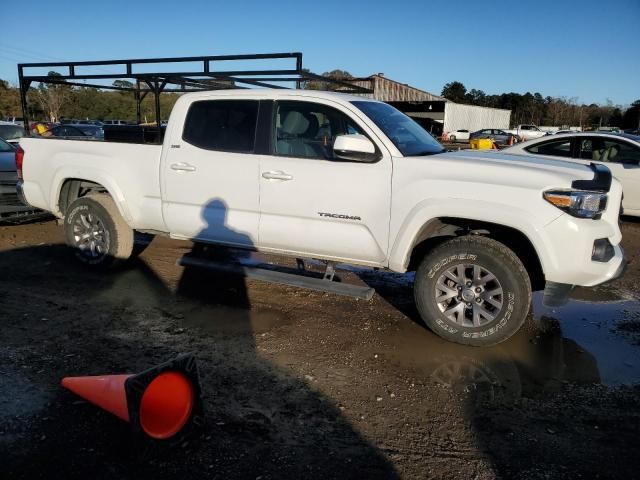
458,135
342,179
620,152
528,132
15,120
558,132
10,205
75,131
115,122
499,136
11,132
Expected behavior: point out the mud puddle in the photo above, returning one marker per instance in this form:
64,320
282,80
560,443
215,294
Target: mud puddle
592,319
594,339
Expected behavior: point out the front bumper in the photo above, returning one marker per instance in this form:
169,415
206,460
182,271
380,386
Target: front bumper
557,294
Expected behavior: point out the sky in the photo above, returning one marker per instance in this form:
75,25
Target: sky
587,49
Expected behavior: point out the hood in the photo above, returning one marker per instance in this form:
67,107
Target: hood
529,171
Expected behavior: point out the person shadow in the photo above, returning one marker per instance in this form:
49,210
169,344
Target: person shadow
282,426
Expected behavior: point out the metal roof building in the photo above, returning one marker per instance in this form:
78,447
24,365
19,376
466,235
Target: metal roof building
433,112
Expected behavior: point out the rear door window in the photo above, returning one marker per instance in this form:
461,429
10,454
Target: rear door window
557,148
223,125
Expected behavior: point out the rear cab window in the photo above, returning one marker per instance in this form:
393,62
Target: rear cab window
222,125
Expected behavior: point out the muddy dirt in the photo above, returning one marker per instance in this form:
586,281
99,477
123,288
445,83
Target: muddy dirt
300,384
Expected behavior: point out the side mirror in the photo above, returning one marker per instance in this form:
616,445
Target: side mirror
355,148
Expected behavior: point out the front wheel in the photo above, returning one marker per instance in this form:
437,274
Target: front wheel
473,290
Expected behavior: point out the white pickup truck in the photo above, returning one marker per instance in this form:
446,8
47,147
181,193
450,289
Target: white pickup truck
344,179
527,132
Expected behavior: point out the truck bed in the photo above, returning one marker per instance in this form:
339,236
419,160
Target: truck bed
126,170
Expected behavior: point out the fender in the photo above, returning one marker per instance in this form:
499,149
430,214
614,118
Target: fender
432,209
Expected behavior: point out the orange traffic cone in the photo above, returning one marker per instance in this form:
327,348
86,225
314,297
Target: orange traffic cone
160,402
510,140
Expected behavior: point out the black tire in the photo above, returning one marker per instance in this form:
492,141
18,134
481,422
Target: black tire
97,216
481,315
452,138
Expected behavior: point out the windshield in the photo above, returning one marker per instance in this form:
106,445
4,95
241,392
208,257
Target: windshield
11,132
410,138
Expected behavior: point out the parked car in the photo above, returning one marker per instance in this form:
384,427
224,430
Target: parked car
75,131
528,132
40,127
15,120
458,135
342,179
11,132
620,152
115,122
10,205
499,136
558,132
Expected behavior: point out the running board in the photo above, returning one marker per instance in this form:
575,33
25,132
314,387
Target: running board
273,276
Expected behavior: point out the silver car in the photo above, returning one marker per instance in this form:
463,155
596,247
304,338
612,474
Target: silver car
11,132
499,136
10,206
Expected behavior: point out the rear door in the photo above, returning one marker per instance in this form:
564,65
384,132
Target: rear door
314,204
622,158
210,173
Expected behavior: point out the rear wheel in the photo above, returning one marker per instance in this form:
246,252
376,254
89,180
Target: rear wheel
452,138
473,290
94,227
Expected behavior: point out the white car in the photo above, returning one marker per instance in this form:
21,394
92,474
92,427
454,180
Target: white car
528,132
341,178
458,136
620,152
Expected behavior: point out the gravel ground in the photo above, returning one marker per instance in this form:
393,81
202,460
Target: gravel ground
300,384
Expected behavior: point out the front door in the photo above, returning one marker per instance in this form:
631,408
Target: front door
311,202
210,174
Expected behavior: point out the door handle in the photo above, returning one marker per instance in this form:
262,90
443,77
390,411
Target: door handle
182,167
277,176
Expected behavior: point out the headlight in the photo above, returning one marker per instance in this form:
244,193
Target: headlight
579,203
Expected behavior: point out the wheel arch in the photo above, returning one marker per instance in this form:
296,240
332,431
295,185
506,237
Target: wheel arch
70,189
441,229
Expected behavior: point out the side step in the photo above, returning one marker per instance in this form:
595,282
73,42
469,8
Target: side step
273,276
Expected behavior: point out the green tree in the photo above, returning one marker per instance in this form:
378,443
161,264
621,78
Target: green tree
454,91
631,116
321,85
475,97
122,84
